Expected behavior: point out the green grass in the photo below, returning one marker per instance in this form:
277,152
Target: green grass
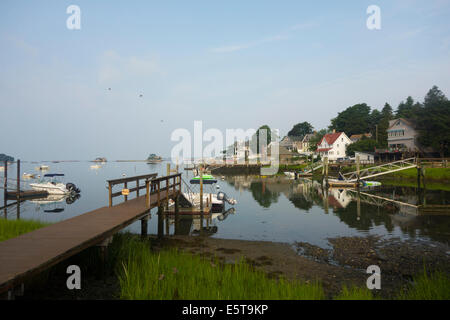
172,274
354,293
435,174
13,228
178,275
413,183
435,286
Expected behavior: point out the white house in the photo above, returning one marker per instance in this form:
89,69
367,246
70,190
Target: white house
365,157
333,145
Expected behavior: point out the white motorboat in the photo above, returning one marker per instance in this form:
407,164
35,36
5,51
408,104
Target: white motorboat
42,168
52,186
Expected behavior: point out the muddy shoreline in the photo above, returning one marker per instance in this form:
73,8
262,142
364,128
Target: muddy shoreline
344,264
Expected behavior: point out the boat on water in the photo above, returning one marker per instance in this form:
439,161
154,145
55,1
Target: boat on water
371,183
96,166
52,185
153,158
100,159
42,168
207,179
28,175
217,199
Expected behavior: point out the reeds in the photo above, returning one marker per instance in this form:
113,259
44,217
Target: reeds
177,275
13,228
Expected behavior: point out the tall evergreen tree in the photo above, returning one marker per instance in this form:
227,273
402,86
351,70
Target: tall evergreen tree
433,122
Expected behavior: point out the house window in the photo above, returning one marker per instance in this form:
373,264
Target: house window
338,153
338,145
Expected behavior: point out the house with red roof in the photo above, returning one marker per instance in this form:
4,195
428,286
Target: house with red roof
333,145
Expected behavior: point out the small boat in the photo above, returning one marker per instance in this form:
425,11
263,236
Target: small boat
96,166
42,168
153,158
52,186
371,183
289,174
28,175
207,179
100,159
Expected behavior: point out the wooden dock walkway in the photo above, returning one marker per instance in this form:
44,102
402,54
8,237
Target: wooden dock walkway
33,252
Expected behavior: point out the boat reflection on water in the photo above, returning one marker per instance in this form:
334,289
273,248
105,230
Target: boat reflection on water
186,224
54,203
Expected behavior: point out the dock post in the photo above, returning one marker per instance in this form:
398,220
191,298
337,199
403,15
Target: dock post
147,193
418,177
160,222
144,226
110,194
177,216
18,180
357,168
5,188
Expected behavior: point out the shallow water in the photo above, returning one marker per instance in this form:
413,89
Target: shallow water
269,209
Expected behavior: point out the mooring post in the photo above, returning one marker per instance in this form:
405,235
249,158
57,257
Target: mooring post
358,205
110,194
160,221
18,180
357,168
144,226
5,188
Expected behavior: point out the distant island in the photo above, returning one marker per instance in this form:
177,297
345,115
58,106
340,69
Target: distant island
4,157
153,158
100,159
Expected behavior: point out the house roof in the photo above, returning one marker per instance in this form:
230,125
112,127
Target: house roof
359,136
330,137
406,121
308,137
296,138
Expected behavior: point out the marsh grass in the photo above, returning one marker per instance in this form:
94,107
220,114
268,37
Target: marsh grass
13,228
434,286
355,293
172,274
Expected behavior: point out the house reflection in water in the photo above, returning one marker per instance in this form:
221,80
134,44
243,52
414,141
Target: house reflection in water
388,207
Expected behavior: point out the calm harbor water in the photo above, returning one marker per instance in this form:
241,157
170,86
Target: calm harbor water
268,209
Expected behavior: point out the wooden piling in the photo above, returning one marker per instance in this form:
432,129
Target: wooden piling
144,226
160,222
357,168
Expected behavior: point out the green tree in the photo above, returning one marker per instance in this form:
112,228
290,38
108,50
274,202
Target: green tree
316,139
268,133
353,120
383,124
365,145
301,129
434,97
408,109
433,122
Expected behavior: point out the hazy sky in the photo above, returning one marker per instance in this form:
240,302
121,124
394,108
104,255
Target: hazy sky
231,64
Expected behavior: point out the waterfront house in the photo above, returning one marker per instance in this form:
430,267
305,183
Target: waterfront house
333,145
357,137
306,143
292,143
402,136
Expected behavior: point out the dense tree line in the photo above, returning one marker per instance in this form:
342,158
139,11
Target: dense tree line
431,117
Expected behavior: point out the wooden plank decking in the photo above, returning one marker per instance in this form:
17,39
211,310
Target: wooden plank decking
36,251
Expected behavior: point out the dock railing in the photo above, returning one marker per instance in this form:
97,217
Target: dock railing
152,185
